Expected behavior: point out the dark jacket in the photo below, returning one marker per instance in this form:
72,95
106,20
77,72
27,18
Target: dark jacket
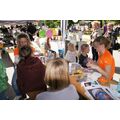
83,60
31,74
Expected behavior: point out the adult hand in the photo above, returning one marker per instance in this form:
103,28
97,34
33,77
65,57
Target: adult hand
106,35
90,60
92,65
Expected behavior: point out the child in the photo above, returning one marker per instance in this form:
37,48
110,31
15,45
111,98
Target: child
71,54
83,58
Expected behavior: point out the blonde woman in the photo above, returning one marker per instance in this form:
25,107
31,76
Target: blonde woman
105,64
57,78
112,35
96,29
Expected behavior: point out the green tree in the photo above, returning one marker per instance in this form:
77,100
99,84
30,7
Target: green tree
52,23
71,22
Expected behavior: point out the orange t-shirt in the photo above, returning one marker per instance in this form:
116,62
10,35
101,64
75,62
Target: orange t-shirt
103,61
16,51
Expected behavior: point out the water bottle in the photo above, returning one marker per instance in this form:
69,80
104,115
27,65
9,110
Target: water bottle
118,86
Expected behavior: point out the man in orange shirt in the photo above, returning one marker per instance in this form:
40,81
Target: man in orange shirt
105,64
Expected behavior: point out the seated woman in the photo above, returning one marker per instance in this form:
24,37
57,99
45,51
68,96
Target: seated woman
57,78
105,64
30,74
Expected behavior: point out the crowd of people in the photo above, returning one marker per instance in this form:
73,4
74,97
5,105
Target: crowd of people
33,79
30,73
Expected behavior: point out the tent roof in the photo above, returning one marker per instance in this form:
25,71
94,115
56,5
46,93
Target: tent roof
14,22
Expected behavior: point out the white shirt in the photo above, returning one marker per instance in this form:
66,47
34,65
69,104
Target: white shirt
71,56
80,34
68,93
96,34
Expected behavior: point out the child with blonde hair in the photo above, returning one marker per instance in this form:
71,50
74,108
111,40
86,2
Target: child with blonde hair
71,54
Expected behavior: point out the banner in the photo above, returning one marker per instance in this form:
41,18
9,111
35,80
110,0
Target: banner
49,33
42,33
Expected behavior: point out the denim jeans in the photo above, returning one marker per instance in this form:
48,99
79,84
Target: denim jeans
61,53
3,95
14,83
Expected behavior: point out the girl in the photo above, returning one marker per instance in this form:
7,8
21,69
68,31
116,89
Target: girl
71,54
